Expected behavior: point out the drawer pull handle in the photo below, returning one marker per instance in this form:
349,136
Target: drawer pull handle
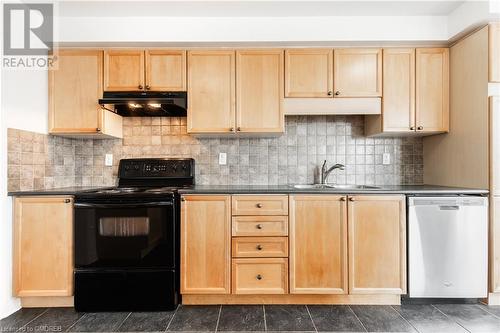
259,247
259,205
259,277
259,226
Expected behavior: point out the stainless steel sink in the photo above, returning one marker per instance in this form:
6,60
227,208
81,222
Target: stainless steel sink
355,187
340,187
311,186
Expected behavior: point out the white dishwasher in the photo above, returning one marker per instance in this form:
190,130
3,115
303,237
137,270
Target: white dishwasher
448,247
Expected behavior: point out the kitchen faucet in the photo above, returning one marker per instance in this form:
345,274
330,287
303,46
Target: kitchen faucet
325,173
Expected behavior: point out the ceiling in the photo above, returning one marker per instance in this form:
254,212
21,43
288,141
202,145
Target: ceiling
256,8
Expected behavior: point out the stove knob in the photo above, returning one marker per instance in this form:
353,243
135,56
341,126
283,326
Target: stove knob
136,167
127,167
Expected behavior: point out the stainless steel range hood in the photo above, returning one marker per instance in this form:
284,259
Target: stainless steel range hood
146,104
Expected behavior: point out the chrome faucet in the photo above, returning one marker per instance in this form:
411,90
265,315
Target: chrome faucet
326,172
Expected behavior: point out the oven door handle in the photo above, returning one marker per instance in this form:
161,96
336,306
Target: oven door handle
122,205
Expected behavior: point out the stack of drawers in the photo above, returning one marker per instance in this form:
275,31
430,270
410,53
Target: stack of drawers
259,244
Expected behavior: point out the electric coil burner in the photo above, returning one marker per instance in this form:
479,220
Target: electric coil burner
127,238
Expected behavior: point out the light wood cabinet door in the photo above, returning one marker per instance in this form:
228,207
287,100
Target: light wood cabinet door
398,103
432,89
211,92
166,70
259,91
124,70
309,73
74,89
357,72
377,244
318,244
206,244
43,246
494,52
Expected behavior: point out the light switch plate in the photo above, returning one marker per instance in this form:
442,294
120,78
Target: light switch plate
222,158
386,159
108,160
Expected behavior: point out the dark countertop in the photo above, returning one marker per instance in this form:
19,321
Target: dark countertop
58,191
284,189
273,189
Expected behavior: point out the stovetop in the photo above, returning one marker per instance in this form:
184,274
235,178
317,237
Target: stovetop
147,178
136,190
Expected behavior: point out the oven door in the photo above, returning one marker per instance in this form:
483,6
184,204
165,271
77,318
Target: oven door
125,235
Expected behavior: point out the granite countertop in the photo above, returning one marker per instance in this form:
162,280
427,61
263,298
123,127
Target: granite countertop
274,189
394,189
72,190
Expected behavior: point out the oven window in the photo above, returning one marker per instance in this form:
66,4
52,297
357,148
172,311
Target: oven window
124,226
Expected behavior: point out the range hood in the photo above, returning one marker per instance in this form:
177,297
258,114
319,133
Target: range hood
146,104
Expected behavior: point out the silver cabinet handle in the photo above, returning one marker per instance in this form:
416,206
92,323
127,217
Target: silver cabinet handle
259,247
258,277
259,205
67,200
259,226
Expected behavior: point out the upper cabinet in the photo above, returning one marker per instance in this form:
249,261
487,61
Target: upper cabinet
398,103
259,91
124,70
333,73
235,92
432,90
211,92
357,72
166,70
75,85
494,53
309,73
416,93
155,70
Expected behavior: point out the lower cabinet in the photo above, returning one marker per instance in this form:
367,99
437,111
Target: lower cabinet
260,276
318,244
206,244
327,245
43,246
377,244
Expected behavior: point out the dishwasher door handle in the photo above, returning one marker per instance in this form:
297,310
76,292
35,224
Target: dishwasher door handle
449,207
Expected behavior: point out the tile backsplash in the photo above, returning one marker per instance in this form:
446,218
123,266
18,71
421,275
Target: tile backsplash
294,157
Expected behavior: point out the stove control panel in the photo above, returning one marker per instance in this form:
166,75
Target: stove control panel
156,168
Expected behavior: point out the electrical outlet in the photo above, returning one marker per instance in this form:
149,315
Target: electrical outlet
222,158
386,159
108,160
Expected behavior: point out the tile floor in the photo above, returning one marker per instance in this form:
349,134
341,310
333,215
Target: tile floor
311,318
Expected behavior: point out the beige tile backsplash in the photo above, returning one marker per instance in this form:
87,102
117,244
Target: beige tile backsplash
38,161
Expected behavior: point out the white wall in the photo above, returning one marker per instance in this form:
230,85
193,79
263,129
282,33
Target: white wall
23,105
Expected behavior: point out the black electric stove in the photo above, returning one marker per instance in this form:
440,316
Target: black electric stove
127,238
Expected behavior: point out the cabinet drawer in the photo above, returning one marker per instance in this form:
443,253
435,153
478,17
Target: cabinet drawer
260,205
260,226
260,276
263,247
